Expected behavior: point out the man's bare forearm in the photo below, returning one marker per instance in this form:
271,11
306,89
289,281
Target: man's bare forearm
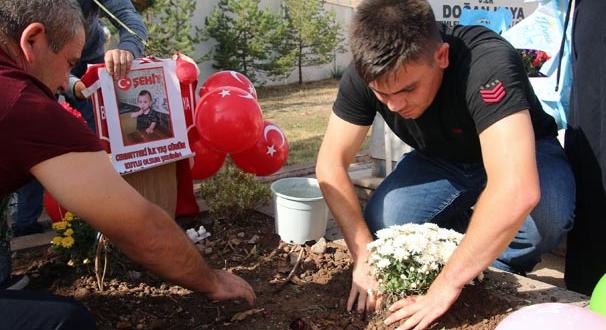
163,248
497,218
343,202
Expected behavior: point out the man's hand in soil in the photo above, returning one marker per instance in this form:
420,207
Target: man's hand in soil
364,289
421,311
230,286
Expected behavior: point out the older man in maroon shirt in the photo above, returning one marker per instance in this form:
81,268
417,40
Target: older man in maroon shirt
40,41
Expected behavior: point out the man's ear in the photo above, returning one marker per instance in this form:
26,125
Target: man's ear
441,55
32,40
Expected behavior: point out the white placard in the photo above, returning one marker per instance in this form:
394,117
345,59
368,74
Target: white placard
145,118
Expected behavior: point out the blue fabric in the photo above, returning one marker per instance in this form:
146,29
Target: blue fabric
497,20
29,205
423,189
95,38
544,30
22,309
94,49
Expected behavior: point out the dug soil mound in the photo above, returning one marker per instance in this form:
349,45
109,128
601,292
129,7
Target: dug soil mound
313,296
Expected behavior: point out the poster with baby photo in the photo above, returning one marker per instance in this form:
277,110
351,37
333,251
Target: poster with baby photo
145,118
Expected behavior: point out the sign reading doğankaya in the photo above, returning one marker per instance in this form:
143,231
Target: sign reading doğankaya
449,11
144,116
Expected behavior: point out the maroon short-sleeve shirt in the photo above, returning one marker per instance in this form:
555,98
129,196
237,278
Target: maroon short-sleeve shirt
33,127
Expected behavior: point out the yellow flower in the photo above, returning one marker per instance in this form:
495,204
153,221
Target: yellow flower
56,240
67,242
61,225
68,232
68,216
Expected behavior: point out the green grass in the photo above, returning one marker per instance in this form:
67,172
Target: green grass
302,112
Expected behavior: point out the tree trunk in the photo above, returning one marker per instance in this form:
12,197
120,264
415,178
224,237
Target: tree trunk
300,63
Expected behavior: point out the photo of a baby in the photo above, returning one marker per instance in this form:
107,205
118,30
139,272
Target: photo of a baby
143,108
147,118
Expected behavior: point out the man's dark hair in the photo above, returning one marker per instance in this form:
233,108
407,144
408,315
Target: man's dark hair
385,34
61,18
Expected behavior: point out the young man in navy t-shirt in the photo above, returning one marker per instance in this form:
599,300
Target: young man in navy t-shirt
461,98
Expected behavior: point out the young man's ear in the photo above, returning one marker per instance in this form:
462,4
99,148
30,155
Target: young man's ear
441,55
32,40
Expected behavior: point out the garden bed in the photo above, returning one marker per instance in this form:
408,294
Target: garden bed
314,298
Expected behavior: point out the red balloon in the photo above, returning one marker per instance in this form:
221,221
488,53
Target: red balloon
55,210
229,120
227,78
267,156
192,136
187,71
207,162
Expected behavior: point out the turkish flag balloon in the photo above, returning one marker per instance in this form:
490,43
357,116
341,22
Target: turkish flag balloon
55,210
229,120
187,71
267,156
207,162
227,78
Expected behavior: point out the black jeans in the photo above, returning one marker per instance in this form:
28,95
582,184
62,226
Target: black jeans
22,309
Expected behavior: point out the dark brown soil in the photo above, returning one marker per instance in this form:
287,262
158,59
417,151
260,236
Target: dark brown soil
314,298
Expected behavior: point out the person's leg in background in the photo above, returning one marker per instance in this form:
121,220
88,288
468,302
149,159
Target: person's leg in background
29,208
7,281
585,136
38,310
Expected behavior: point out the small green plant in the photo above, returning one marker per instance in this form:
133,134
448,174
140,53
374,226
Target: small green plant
75,240
233,194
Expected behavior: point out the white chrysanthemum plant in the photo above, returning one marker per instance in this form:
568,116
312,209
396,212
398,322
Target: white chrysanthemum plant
405,259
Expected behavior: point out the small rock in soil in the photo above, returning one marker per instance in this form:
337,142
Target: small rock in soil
254,239
293,257
123,324
319,247
339,256
81,293
134,275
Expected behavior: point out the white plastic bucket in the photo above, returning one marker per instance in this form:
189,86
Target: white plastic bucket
301,213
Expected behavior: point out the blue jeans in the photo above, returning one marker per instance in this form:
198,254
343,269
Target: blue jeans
29,205
23,309
424,189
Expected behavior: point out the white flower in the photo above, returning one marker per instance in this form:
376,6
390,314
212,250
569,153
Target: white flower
418,250
383,263
197,235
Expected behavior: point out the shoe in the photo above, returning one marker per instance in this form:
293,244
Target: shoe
16,282
29,230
